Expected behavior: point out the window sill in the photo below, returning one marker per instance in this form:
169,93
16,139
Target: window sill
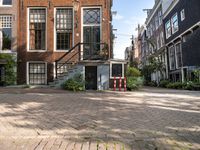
36,51
6,5
116,77
60,51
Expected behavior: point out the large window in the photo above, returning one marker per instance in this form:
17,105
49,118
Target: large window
168,29
37,29
5,2
172,58
5,32
91,31
175,23
64,28
37,73
178,55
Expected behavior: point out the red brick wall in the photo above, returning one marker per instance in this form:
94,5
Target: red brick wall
50,56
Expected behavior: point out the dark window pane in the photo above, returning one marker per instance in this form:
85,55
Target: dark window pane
7,2
91,16
116,70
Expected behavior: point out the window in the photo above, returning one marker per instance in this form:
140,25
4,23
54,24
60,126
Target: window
157,22
160,17
178,55
5,32
162,39
117,70
175,23
64,28
37,29
91,31
5,2
37,73
182,15
168,29
172,58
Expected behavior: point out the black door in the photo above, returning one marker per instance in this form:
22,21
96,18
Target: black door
91,77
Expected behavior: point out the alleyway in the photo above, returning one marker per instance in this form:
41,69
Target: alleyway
142,120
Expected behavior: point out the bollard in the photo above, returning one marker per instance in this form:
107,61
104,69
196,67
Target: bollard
125,84
115,82
120,84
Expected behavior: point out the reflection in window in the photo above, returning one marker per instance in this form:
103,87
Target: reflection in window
5,32
175,23
5,2
116,70
168,29
172,57
37,29
64,28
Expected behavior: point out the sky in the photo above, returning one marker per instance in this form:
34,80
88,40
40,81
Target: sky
129,14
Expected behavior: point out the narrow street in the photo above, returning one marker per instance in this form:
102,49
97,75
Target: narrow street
148,119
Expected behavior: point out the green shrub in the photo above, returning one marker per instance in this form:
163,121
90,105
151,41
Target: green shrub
192,86
10,74
175,85
134,83
133,72
164,83
74,84
151,83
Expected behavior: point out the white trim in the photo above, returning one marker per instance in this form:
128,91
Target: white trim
176,53
181,34
73,35
1,4
172,5
172,23
82,25
28,33
27,70
152,14
123,64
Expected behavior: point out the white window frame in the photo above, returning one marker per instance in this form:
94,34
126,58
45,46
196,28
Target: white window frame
176,53
170,61
166,29
1,4
123,66
55,37
82,24
182,14
28,30
27,70
172,23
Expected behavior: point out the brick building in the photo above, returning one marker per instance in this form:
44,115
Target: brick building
56,36
8,33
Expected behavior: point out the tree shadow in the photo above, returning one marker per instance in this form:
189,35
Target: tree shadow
130,118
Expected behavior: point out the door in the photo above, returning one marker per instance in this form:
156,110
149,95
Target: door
91,77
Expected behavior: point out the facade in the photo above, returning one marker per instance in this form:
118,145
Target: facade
57,35
155,40
182,34
8,32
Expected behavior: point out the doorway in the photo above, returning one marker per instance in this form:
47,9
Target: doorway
91,77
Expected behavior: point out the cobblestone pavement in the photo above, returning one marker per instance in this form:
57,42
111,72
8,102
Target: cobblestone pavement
149,119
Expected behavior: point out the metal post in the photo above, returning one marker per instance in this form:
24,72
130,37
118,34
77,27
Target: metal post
56,69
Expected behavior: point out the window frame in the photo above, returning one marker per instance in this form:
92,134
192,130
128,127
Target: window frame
1,4
55,33
89,25
172,23
28,73
170,59
178,43
123,66
166,29
182,14
28,30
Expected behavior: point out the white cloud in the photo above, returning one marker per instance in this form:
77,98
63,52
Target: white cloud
118,17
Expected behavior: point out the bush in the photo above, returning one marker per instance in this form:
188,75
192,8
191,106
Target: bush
74,84
151,83
192,86
133,83
164,83
133,72
175,85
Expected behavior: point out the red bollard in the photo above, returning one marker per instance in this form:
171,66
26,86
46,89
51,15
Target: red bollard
125,86
115,82
120,84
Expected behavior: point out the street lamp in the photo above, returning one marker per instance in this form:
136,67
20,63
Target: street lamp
76,5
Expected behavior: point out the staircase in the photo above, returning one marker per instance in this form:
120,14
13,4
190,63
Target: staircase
74,69
71,59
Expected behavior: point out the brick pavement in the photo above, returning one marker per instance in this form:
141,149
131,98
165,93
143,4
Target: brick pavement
143,120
